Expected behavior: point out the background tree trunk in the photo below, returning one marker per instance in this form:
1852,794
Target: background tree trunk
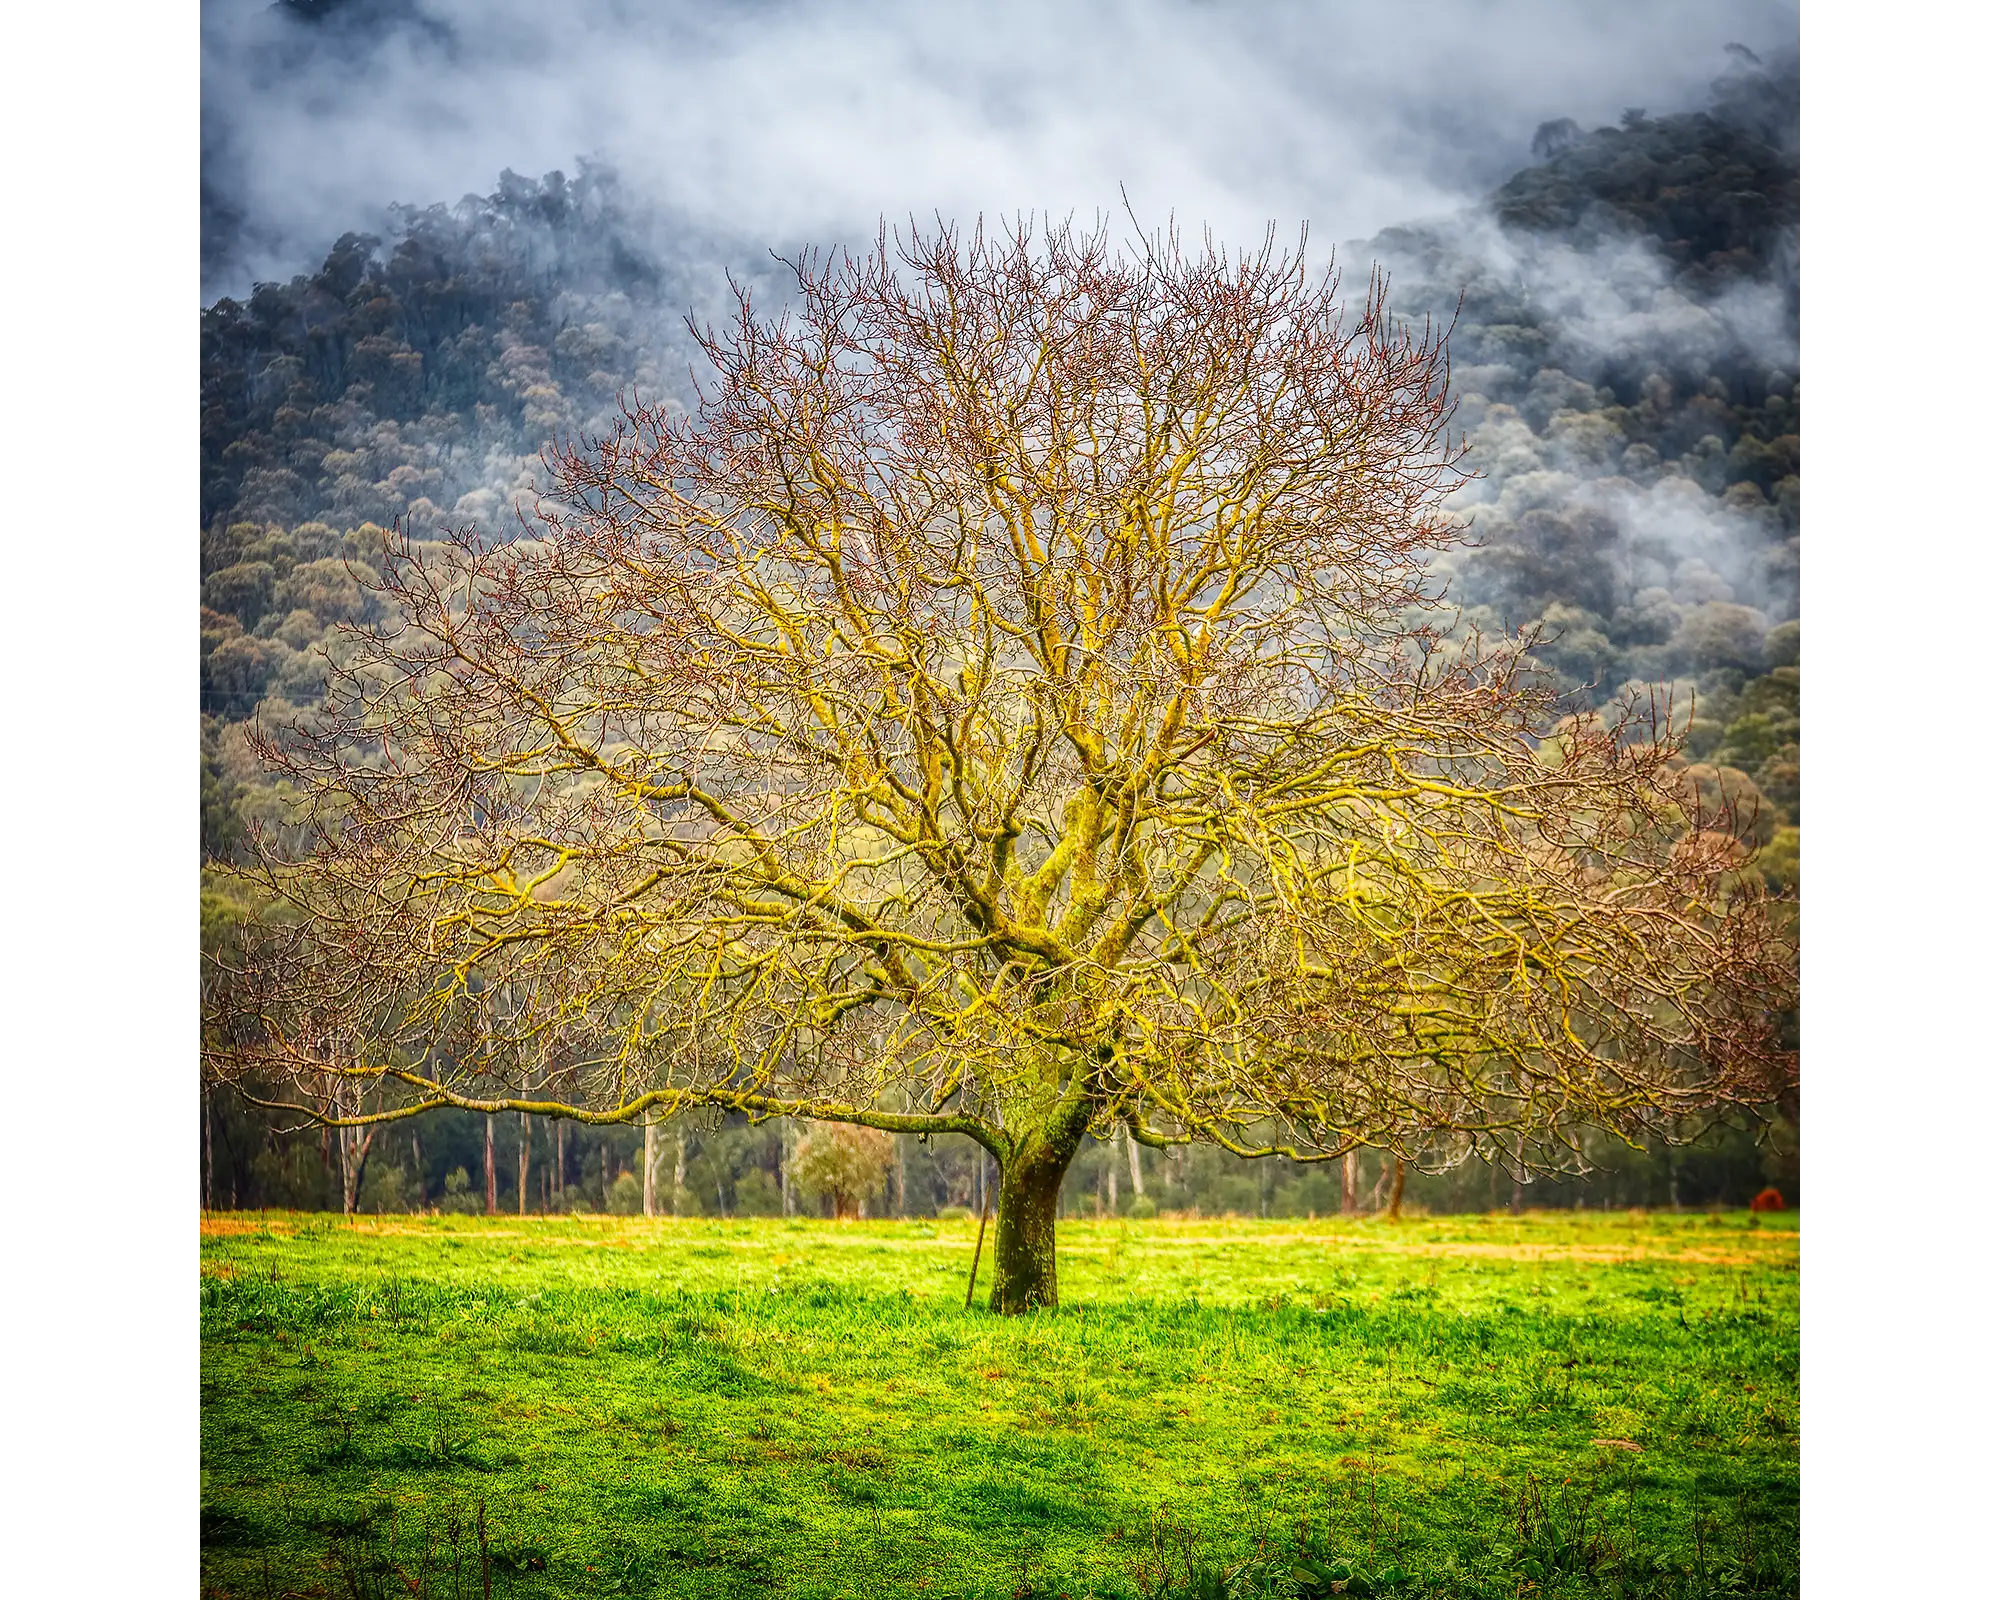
897,1174
1350,1182
650,1162
604,1174
417,1156
1138,1173
556,1187
524,1163
354,1145
785,1166
1111,1166
492,1174
680,1165
1396,1193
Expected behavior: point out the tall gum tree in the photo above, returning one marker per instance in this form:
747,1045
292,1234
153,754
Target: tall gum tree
1015,704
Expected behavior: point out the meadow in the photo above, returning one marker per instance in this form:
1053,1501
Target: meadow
1556,1403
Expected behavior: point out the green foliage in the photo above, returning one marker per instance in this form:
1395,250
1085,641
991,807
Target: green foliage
628,1196
1437,1408
458,1198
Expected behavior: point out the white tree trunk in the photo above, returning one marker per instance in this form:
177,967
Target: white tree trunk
649,1162
1111,1167
785,1166
492,1173
524,1163
680,1165
352,1144
1138,1175
1350,1182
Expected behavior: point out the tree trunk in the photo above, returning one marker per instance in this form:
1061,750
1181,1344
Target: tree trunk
556,1188
1138,1174
492,1174
680,1165
417,1156
524,1163
785,1166
1350,1181
897,1173
604,1174
1024,1235
353,1145
1396,1193
649,1161
1111,1168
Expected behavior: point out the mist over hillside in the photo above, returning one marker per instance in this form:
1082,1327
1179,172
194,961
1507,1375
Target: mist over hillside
1623,314
779,123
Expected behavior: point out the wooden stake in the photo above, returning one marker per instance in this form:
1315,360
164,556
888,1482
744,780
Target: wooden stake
977,1245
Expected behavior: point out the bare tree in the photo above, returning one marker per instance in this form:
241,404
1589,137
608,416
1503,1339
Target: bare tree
1017,704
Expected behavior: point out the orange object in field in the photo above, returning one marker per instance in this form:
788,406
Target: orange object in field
1769,1200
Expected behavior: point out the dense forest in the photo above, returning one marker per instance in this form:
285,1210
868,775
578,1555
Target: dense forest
1623,318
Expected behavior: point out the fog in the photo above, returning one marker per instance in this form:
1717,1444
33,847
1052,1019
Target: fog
776,124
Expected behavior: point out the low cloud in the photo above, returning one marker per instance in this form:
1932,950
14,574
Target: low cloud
777,124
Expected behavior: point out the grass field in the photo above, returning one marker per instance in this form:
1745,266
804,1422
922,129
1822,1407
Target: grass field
1559,1403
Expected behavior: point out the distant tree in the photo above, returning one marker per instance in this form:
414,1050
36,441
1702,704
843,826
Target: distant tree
843,1162
1554,137
1015,705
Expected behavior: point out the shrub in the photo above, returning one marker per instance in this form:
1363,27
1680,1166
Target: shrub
757,1194
627,1198
458,1198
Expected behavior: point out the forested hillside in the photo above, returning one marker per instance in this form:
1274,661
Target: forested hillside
1624,346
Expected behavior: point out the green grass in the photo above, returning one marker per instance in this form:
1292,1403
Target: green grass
805,1408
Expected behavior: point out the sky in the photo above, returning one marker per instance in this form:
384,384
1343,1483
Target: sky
780,124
